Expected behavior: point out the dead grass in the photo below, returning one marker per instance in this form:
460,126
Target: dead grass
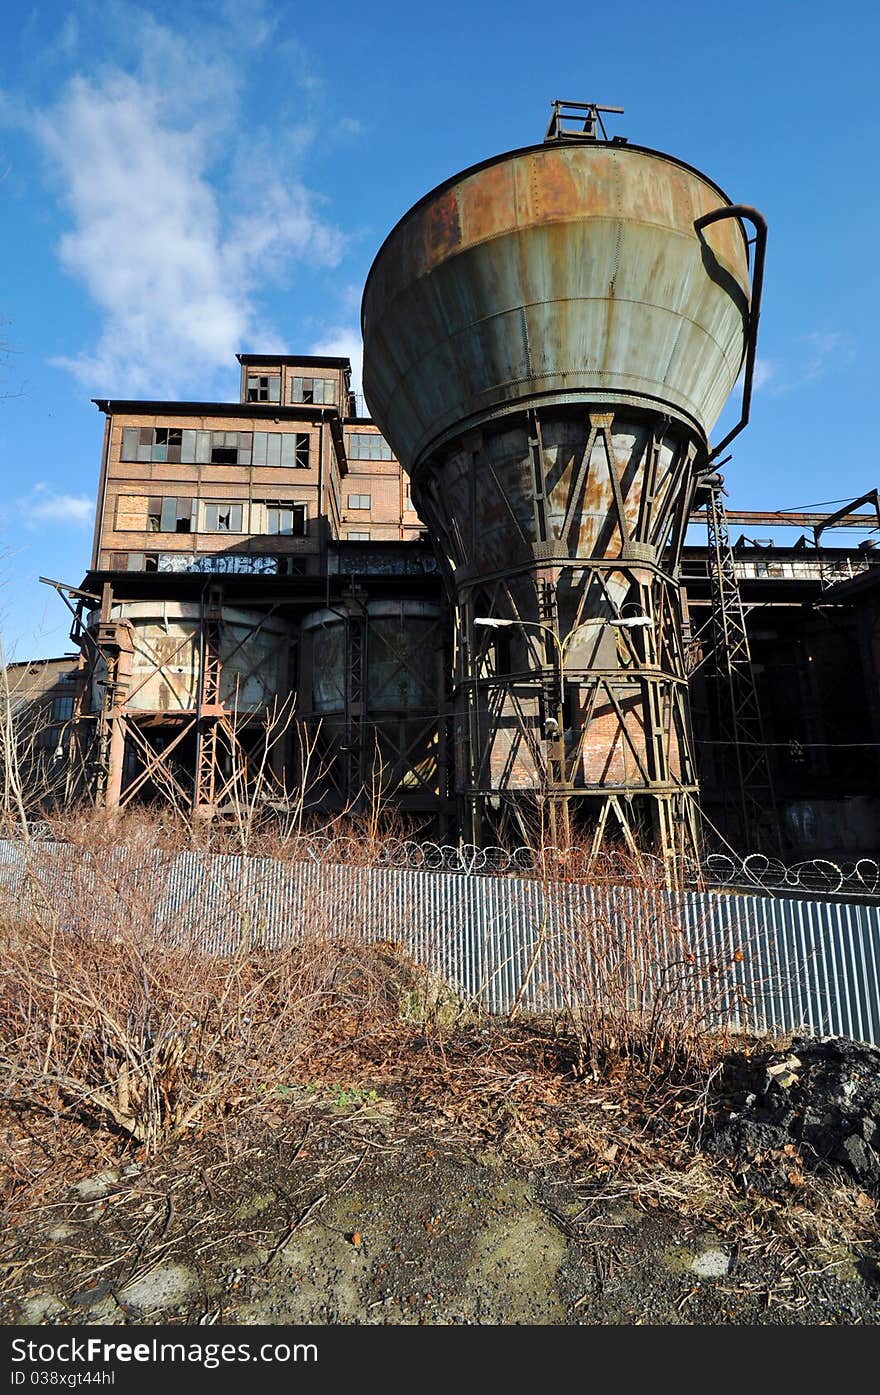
113,1014
119,1039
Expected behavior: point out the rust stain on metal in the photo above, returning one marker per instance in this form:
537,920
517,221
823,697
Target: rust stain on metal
577,268
443,227
488,204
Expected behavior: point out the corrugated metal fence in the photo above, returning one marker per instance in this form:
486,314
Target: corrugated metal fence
770,964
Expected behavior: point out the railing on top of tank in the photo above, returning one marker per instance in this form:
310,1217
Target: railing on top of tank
818,876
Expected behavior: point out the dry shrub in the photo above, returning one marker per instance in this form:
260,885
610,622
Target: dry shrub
149,1038
641,990
140,829
131,1013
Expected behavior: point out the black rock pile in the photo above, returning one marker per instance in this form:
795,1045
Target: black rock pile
820,1093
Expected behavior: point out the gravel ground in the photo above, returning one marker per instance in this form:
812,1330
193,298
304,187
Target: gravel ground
357,1209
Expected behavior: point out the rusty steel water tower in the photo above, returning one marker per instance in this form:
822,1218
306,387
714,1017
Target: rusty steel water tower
549,338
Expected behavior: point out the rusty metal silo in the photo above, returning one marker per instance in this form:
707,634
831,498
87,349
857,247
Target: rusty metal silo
549,338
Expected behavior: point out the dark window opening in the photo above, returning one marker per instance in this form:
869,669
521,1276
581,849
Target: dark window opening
321,391
231,447
167,443
287,520
264,389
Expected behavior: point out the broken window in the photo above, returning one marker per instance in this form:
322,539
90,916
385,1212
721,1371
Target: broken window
368,445
182,444
176,515
138,513
289,449
166,443
265,388
321,391
288,520
152,443
360,501
223,518
231,447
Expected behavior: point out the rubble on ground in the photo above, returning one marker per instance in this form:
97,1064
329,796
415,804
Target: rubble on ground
821,1094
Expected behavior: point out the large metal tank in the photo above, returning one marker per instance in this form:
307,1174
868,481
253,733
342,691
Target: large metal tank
166,658
372,679
555,273
549,337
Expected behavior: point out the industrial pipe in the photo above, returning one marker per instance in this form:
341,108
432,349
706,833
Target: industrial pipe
742,210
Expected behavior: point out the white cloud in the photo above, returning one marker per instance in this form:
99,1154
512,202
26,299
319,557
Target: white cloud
173,235
824,348
765,370
810,357
43,505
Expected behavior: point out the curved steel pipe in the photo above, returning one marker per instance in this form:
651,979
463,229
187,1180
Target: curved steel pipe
759,222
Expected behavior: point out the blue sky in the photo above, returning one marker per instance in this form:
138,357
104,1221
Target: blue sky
179,182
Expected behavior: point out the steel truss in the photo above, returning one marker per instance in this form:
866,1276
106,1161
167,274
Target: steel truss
118,743
743,770
599,727
362,757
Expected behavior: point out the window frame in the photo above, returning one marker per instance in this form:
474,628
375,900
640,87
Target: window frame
228,504
316,399
378,449
297,508
259,393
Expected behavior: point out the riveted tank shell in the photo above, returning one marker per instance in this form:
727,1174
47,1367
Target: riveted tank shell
166,657
554,274
401,662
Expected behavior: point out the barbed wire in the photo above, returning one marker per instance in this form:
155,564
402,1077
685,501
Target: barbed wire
820,876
